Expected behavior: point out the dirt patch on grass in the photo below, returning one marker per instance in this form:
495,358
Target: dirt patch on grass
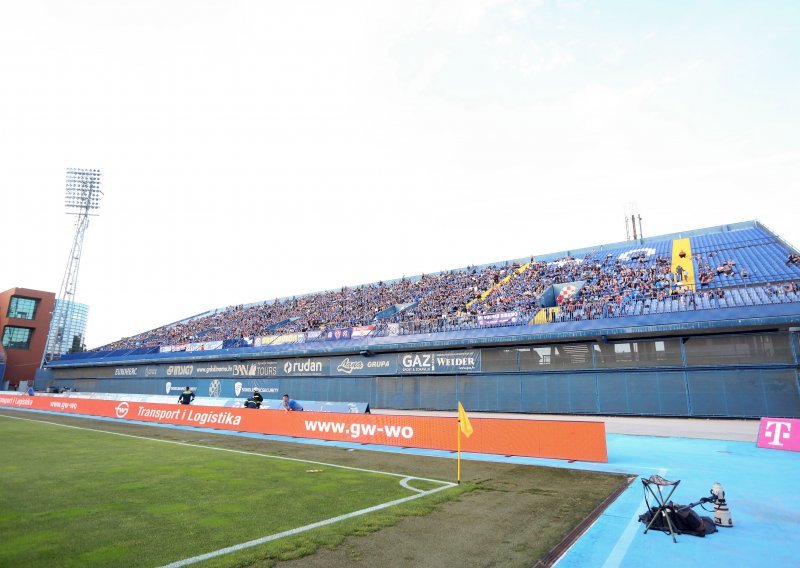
514,515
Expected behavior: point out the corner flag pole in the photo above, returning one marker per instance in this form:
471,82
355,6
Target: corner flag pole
458,460
464,427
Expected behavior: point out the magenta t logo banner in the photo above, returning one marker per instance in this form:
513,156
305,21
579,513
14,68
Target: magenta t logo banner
779,434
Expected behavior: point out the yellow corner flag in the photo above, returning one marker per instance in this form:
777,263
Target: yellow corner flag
463,421
464,427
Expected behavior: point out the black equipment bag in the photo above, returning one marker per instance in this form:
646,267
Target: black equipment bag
684,521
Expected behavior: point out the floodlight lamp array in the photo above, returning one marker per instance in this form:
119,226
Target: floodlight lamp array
83,189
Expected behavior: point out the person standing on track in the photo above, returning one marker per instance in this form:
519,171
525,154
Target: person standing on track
186,397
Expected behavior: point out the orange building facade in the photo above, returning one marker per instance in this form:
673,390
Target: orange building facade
25,316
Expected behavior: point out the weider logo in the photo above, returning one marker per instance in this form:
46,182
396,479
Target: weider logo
168,387
455,361
122,409
779,431
237,388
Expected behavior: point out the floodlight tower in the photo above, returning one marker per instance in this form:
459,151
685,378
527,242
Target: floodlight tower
82,197
631,219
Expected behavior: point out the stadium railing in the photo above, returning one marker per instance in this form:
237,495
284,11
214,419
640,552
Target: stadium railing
703,298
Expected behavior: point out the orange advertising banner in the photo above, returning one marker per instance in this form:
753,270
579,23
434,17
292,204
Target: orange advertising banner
559,439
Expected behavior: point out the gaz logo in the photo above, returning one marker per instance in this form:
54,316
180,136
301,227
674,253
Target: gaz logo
122,409
237,388
169,387
419,362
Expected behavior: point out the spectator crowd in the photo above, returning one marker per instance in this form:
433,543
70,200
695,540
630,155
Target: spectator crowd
453,299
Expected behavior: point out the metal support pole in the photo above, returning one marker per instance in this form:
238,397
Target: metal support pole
82,196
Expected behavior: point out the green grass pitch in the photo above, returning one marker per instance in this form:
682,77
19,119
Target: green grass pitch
72,497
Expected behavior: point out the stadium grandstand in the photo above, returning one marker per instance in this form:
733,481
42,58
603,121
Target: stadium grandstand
700,323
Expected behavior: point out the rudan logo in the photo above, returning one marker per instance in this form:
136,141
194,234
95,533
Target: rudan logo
778,431
237,388
168,387
122,409
307,366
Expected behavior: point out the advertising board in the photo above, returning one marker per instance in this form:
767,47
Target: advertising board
438,362
358,365
569,440
779,434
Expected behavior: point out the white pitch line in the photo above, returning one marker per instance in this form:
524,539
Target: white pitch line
213,554
404,483
623,544
256,454
302,529
617,554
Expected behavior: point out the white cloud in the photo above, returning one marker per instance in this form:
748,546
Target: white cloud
460,16
255,150
427,73
543,59
614,53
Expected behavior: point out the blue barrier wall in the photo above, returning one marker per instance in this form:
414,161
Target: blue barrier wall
736,375
740,393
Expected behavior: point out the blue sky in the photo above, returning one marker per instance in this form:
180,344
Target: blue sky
258,149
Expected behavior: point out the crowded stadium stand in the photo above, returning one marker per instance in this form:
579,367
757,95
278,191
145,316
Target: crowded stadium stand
701,323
